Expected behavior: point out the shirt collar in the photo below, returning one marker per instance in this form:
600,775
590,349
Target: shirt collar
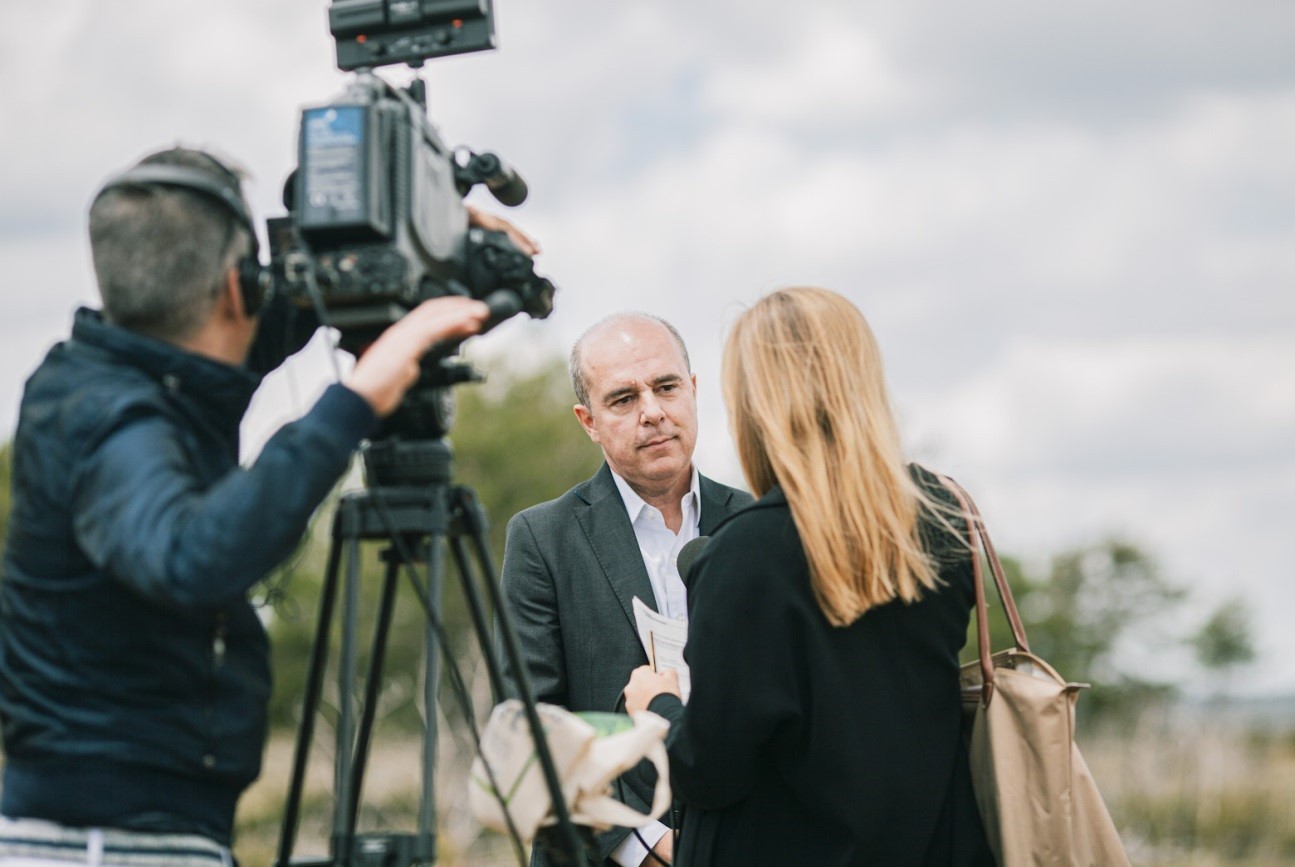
634,504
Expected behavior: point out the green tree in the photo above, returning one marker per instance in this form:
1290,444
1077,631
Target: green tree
1224,644
1092,603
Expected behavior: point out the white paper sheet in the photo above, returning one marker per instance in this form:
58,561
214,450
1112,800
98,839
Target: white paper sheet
663,640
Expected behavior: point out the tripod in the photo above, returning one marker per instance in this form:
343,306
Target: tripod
416,509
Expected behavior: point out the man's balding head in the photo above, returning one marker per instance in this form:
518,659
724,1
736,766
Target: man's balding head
575,364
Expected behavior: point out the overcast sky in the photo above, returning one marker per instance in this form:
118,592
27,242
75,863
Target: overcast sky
1071,226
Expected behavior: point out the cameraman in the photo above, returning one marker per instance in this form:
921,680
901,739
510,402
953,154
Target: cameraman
134,673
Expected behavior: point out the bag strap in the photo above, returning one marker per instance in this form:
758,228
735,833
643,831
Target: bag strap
978,539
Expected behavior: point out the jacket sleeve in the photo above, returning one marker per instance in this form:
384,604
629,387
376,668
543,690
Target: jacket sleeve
142,514
531,597
741,656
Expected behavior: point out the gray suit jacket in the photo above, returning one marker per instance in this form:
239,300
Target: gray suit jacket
572,567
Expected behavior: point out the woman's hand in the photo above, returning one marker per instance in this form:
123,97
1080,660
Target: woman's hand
646,684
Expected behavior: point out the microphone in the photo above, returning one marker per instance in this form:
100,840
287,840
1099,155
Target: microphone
687,554
501,179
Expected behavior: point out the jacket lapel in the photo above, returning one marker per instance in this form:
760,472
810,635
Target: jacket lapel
610,535
715,505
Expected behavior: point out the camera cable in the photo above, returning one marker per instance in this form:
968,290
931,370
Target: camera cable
457,683
317,302
620,794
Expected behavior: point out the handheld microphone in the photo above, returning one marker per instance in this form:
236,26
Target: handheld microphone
687,554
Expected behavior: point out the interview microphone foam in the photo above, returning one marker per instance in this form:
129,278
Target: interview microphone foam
687,554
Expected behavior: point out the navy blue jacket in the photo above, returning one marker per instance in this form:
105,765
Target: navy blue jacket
134,673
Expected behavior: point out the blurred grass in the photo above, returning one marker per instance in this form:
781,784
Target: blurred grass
392,787
1190,791
1185,789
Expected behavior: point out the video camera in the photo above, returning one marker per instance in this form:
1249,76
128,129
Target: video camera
377,225
377,222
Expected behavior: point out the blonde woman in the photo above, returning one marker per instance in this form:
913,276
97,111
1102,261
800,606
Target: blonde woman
823,726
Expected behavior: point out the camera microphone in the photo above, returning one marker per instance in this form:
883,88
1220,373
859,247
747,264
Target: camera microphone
501,179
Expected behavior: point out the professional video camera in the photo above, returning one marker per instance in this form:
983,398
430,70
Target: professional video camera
376,226
377,222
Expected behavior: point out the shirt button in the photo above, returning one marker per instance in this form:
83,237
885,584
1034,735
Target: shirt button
209,761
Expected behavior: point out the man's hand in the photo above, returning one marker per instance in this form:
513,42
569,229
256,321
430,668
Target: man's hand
491,223
386,370
663,850
646,684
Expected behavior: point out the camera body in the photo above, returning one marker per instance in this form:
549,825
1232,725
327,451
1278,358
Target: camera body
377,222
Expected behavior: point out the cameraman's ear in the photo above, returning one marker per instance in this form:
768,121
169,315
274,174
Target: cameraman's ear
229,300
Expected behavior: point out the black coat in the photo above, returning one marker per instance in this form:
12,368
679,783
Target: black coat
804,743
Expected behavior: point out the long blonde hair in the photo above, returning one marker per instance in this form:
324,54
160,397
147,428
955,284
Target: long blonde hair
807,404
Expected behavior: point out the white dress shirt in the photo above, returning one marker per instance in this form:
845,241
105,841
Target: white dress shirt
660,547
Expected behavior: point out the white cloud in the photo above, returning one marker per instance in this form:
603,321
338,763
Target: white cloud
1129,408
821,76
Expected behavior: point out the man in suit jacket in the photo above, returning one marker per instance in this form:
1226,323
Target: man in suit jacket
572,566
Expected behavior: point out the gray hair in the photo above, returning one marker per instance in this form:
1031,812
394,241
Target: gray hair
161,252
575,364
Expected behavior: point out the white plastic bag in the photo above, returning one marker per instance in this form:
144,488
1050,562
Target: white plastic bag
589,751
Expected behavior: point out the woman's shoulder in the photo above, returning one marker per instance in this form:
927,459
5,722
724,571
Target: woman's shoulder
756,546
942,524
770,510
933,483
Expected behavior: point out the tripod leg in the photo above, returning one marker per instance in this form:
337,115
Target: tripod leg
474,521
346,670
309,707
432,672
372,689
476,607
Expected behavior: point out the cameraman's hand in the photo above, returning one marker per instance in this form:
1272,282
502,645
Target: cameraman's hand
386,370
491,223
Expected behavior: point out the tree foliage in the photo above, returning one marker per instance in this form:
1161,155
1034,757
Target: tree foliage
1081,610
1224,641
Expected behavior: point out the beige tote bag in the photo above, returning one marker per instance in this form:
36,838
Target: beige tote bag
1039,803
506,788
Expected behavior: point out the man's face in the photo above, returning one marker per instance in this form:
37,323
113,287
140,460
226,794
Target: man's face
642,404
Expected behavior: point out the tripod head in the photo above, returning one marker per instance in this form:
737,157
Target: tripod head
410,448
